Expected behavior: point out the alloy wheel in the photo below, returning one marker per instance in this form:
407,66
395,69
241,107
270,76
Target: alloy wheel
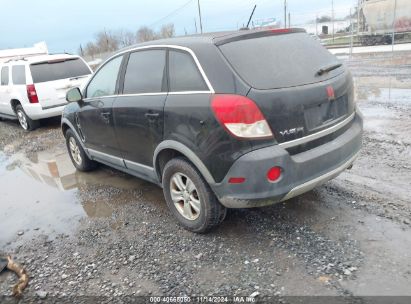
75,151
22,119
185,196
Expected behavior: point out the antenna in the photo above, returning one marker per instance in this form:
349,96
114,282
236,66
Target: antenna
251,16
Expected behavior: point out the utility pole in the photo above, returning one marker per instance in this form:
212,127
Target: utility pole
332,16
199,15
352,34
358,17
393,26
81,51
285,13
289,20
195,25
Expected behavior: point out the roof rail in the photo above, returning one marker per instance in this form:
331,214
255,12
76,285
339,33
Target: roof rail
17,58
60,53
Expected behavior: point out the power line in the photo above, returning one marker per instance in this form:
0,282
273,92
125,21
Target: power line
172,13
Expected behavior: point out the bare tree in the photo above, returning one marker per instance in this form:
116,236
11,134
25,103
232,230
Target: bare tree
167,31
109,41
145,33
91,49
324,19
125,38
106,41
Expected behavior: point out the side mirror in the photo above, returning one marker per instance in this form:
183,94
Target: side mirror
74,95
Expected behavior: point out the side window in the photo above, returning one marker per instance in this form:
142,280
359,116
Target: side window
4,76
145,72
18,73
104,82
184,74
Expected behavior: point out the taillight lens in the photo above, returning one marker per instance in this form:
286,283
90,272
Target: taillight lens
274,174
236,180
281,31
240,116
32,94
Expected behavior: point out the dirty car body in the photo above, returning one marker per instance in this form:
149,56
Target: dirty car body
262,116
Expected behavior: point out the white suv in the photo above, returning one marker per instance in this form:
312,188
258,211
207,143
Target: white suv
35,87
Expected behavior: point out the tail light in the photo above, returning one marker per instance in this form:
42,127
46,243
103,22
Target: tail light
236,180
240,116
32,94
281,31
274,174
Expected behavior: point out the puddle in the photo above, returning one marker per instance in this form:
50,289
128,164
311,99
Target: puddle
378,119
381,100
385,95
44,194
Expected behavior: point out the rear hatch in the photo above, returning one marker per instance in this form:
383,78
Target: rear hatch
300,87
53,78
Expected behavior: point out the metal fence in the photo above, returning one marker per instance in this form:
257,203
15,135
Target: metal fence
372,26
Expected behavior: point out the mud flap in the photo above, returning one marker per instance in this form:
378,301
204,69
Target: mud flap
3,263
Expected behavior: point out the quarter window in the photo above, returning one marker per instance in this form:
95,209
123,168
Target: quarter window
5,76
105,80
18,74
145,72
184,74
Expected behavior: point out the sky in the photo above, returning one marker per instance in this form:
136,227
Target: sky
64,25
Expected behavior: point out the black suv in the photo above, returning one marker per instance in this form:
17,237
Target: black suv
224,120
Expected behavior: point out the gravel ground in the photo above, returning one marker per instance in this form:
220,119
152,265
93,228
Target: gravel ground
110,235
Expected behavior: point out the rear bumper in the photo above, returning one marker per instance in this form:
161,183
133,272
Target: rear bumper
36,111
301,172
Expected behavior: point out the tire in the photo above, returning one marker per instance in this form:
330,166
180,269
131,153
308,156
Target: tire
79,158
26,122
196,207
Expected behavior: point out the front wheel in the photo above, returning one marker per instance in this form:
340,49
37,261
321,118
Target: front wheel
79,158
190,198
26,122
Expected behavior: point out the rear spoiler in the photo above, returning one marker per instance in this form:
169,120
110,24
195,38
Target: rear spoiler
55,60
251,34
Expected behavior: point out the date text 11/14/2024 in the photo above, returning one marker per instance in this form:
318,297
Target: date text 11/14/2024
203,299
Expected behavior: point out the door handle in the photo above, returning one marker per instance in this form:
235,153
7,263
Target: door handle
106,116
152,116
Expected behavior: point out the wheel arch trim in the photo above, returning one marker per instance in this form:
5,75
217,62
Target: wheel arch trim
65,121
187,152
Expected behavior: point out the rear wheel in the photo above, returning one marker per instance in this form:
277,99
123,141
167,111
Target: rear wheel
77,154
26,122
190,198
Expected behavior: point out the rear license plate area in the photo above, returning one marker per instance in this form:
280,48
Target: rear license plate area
324,113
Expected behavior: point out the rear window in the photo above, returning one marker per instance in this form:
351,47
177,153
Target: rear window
18,74
49,71
279,61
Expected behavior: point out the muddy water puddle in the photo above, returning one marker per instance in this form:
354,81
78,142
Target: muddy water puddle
384,246
44,195
397,96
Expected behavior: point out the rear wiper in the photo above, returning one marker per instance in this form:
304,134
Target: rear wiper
328,68
78,77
